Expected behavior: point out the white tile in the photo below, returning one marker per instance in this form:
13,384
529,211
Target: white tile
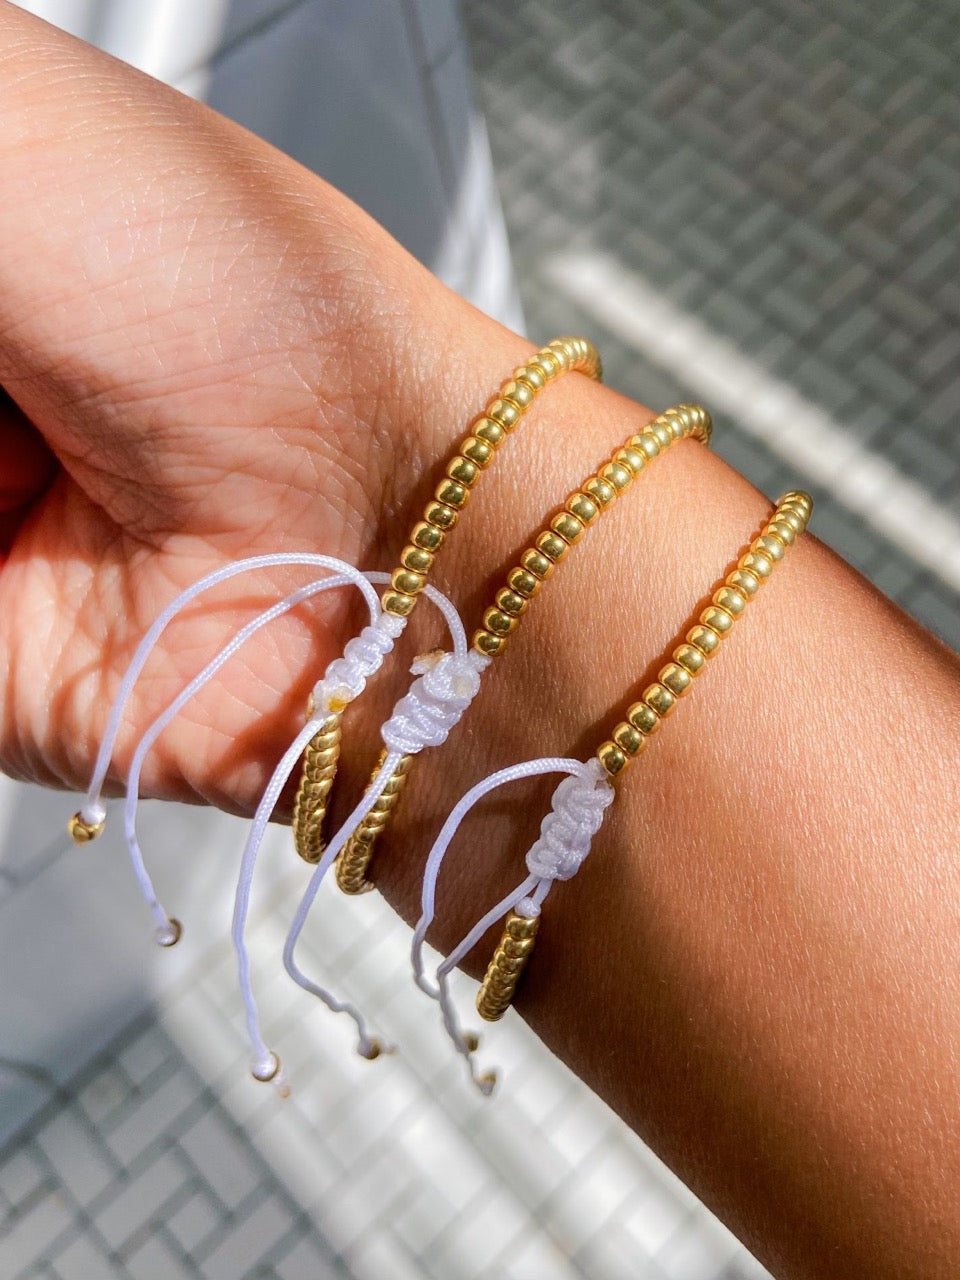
155,1260
377,1255
141,1200
32,1236
146,1054
194,1222
249,1242
84,1260
222,1159
537,1258
306,1261
20,1176
153,1117
79,1163
104,1095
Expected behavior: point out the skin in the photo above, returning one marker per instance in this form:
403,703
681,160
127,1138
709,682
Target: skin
209,353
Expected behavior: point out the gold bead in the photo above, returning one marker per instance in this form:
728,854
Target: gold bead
451,494
171,935
600,490
557,348
661,432
771,547
83,832
731,600
567,526
489,431
690,658
677,421
583,507
509,602
643,718
518,926
406,582
523,582
612,758
659,697
477,451
746,583
628,739
398,604
757,563
786,516
530,374
778,528
463,471
427,536
520,393
547,362
537,563
617,474
415,558
717,619
705,639
440,515
487,643
501,624
675,678
552,545
647,444
505,412
801,502
632,459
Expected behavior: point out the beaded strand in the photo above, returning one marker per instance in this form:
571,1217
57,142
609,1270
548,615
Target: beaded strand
643,719
502,414
581,510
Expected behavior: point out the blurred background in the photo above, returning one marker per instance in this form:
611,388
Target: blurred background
752,205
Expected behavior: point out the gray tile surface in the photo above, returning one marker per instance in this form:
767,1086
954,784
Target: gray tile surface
786,171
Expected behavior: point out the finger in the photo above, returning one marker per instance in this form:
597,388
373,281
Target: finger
173,272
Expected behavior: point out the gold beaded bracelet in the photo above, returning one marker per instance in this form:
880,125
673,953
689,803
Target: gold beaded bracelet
632,735
476,452
536,563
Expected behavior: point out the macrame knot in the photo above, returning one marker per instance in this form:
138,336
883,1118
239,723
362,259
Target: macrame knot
434,703
346,677
575,816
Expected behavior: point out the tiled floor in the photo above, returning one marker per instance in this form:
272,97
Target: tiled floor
165,1160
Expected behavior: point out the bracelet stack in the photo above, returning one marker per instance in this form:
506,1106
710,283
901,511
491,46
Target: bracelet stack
445,684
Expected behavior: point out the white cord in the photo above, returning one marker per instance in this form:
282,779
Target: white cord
92,811
577,810
367,1045
154,731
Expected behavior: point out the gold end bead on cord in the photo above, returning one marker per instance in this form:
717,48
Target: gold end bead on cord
674,680
354,858
501,415
505,969
320,759
82,832
581,510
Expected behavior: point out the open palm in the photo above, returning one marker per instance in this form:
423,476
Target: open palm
198,342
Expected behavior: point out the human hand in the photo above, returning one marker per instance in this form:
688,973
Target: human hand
202,344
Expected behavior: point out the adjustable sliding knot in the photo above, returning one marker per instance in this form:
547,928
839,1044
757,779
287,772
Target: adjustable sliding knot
576,814
434,703
346,677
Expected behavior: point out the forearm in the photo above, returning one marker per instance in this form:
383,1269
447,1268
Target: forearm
755,964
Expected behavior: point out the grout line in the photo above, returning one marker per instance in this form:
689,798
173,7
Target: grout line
771,411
